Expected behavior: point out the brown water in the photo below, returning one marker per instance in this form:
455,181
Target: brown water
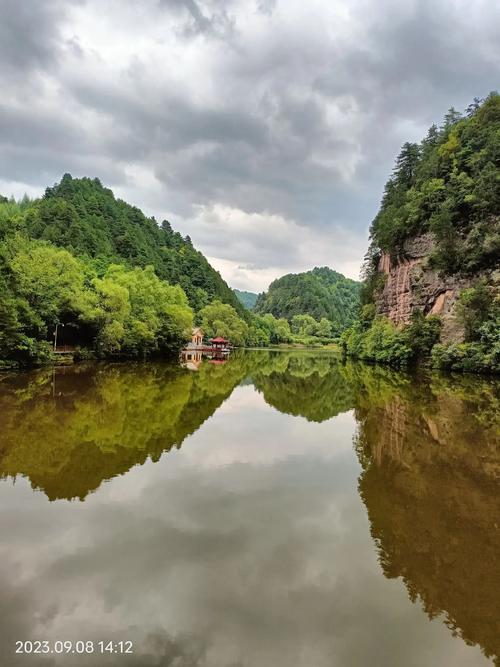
278,510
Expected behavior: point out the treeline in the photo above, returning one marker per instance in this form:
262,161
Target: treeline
95,272
321,293
219,319
121,310
449,185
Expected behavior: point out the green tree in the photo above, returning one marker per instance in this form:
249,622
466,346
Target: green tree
475,308
406,164
138,313
304,325
220,319
282,331
324,328
12,340
51,280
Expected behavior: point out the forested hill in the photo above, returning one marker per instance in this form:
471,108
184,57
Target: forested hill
248,299
320,293
86,218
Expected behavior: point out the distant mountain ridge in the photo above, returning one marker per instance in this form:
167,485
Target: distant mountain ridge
321,292
248,299
80,214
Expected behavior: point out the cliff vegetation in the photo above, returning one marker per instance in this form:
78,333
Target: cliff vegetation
431,274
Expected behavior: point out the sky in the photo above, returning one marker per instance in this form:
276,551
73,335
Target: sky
264,129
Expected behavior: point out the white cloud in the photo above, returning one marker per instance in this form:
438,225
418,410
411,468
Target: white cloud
18,190
268,246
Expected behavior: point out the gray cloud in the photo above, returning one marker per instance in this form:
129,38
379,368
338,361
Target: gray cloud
28,35
264,107
204,16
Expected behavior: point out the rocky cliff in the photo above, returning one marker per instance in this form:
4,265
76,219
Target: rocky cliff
412,284
447,184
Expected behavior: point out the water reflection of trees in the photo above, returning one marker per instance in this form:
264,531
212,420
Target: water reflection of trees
430,452
71,429
429,448
309,384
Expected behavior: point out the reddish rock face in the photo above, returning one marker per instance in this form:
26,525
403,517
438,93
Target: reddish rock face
412,285
396,299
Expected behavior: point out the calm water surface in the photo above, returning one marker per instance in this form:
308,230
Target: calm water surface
279,510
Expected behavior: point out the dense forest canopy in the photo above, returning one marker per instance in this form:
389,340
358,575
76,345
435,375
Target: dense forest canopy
248,299
86,218
320,293
449,184
126,310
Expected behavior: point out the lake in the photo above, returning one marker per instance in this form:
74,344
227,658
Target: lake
281,509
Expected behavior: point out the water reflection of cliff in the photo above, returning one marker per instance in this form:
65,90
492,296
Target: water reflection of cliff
430,452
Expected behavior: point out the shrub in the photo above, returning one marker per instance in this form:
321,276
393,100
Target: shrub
466,357
383,342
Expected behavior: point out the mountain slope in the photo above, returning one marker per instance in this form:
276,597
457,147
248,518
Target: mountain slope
321,292
248,299
84,217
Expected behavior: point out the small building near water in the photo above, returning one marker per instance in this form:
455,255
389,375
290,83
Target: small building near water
197,336
216,349
219,343
191,359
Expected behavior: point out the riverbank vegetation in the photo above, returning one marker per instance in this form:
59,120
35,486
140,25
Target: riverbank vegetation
479,312
123,310
219,319
376,339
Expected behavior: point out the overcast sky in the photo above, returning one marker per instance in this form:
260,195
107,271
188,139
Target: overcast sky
264,129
